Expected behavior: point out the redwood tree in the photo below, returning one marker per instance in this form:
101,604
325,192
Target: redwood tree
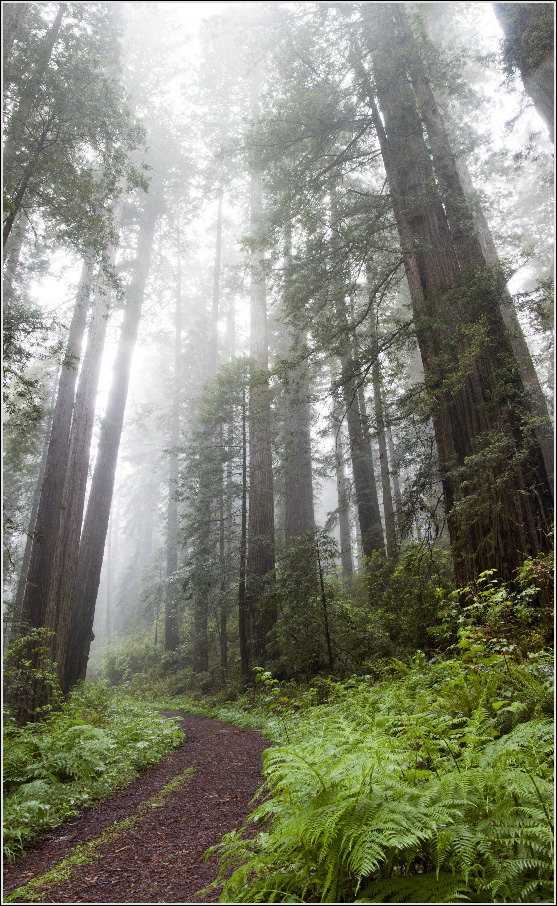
495,484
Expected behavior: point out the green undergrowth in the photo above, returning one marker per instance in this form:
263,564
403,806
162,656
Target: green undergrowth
53,769
89,852
245,712
433,784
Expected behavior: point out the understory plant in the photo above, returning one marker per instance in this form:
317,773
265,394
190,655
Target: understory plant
96,743
431,785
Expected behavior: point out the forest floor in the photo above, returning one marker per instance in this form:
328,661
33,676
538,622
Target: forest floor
147,842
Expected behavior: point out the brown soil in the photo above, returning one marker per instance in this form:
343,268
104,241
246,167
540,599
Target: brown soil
162,858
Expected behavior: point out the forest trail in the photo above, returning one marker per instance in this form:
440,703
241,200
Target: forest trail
147,843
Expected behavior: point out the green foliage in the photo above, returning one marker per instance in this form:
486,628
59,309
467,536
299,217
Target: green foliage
94,745
28,662
529,30
411,790
129,657
488,616
303,615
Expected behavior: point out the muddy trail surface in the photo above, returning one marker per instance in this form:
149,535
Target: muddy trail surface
147,843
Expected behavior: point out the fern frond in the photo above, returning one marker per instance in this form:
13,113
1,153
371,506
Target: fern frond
424,888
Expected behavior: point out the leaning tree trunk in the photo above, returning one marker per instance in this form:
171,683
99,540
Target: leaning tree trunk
495,484
93,535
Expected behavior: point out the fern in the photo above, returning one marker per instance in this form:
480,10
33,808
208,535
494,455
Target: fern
404,792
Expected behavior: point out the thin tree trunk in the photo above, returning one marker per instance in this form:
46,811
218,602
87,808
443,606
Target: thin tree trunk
388,508
367,503
18,197
171,636
95,525
393,471
298,483
324,607
213,357
261,529
12,252
109,567
222,561
343,507
242,606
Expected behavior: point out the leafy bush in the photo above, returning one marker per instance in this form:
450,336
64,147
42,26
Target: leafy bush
96,744
416,789
26,663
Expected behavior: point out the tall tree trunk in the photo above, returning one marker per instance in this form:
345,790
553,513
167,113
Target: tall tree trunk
365,488
213,357
538,402
394,474
95,525
20,591
367,503
495,484
471,236
388,508
343,506
261,529
222,561
40,571
171,636
298,484
109,569
529,31
48,513
60,596
242,605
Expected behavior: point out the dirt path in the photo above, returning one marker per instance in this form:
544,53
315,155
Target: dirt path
157,854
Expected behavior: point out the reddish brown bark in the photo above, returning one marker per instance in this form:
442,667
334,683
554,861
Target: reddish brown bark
93,536
495,483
